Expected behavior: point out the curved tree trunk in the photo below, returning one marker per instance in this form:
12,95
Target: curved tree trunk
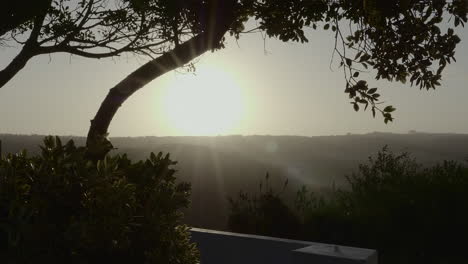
97,144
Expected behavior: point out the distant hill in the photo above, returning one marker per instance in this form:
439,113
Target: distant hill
221,166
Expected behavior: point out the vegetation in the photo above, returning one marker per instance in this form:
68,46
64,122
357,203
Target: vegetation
58,207
265,214
14,13
400,40
410,214
78,205
91,28
320,161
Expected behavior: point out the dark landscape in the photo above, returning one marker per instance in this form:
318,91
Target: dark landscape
256,73
219,167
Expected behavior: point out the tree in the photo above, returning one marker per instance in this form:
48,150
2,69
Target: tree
400,40
93,28
13,13
219,19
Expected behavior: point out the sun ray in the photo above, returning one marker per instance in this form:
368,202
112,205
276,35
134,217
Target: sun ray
220,183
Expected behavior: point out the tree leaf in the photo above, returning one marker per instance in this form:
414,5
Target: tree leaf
356,107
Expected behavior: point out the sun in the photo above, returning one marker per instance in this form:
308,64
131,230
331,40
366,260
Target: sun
209,102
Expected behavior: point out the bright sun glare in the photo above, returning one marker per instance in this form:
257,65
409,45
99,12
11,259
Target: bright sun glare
207,103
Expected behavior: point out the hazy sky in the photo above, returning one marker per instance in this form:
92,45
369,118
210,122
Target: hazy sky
289,90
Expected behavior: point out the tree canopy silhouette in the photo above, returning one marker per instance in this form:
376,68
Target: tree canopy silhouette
14,13
400,40
95,28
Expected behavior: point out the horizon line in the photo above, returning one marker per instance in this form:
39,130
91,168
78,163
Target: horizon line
410,132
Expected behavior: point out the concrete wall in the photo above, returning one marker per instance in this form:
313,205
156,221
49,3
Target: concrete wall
218,247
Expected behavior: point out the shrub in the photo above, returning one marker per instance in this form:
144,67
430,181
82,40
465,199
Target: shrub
322,217
265,214
58,207
410,214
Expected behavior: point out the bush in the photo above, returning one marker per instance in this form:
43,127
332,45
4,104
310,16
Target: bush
265,214
59,207
322,217
410,214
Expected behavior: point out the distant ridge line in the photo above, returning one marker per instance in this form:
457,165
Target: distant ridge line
411,132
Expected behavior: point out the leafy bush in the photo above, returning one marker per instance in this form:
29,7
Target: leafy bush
59,207
410,214
265,214
322,218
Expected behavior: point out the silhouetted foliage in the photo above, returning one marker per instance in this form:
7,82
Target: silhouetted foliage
400,40
240,159
16,13
96,28
263,214
410,214
59,207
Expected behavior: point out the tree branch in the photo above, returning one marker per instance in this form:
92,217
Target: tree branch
29,50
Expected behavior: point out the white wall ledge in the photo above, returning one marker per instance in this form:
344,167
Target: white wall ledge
218,247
